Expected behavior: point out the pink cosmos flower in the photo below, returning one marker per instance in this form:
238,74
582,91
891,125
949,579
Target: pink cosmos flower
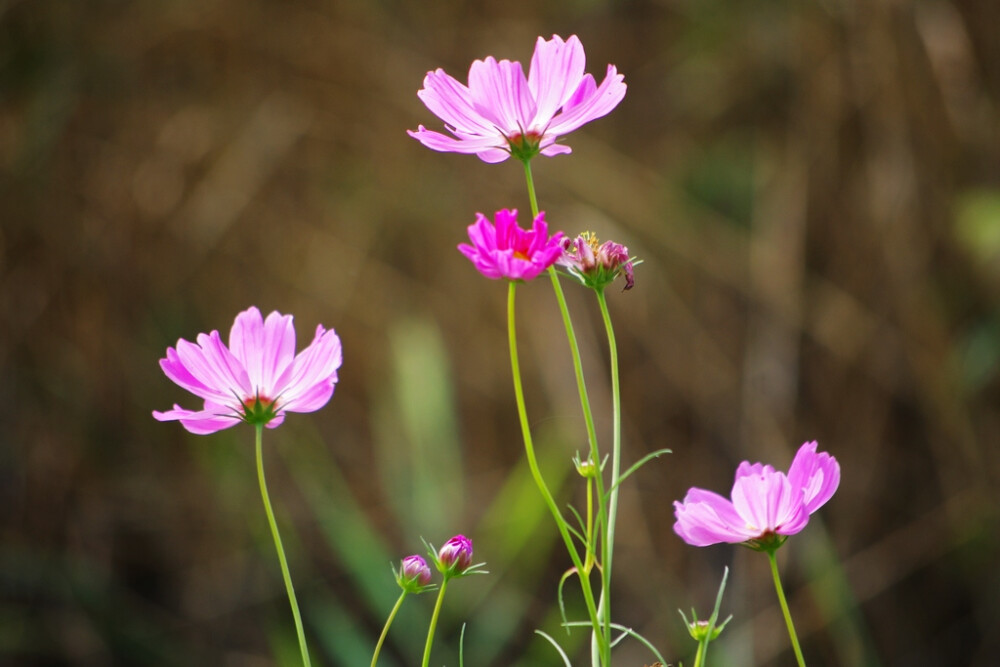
766,505
257,379
504,250
502,113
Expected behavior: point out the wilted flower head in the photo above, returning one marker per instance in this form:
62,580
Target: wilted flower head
414,575
257,379
455,556
766,506
597,264
504,250
502,113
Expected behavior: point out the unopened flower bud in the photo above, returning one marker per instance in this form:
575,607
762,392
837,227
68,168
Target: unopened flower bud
587,468
699,630
414,575
455,556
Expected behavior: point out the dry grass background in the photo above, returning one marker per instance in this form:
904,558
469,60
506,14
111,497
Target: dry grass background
814,189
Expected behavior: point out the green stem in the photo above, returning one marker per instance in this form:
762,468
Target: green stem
536,474
604,644
385,630
784,608
699,657
531,189
434,620
608,543
281,551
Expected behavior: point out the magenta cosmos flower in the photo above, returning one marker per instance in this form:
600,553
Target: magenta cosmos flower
502,113
766,506
504,250
257,379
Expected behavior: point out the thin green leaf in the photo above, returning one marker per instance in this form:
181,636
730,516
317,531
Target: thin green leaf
638,464
556,646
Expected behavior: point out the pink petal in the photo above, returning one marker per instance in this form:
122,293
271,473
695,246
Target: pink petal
445,144
555,149
590,104
175,370
555,73
453,102
746,468
265,348
212,364
817,475
499,92
309,383
706,518
767,503
202,422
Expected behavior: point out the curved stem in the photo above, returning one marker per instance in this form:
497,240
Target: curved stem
536,474
385,630
280,549
784,609
433,625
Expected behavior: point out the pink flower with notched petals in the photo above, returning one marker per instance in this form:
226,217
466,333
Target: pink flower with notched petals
504,250
502,113
257,378
766,506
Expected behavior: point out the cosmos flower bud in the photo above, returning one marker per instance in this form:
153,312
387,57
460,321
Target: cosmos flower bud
455,556
414,575
699,630
586,467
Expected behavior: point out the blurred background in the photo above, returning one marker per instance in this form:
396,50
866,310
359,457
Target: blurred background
814,189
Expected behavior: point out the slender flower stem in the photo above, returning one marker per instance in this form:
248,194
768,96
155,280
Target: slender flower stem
784,608
529,449
602,646
699,657
385,630
590,558
581,384
604,606
531,189
434,621
280,549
